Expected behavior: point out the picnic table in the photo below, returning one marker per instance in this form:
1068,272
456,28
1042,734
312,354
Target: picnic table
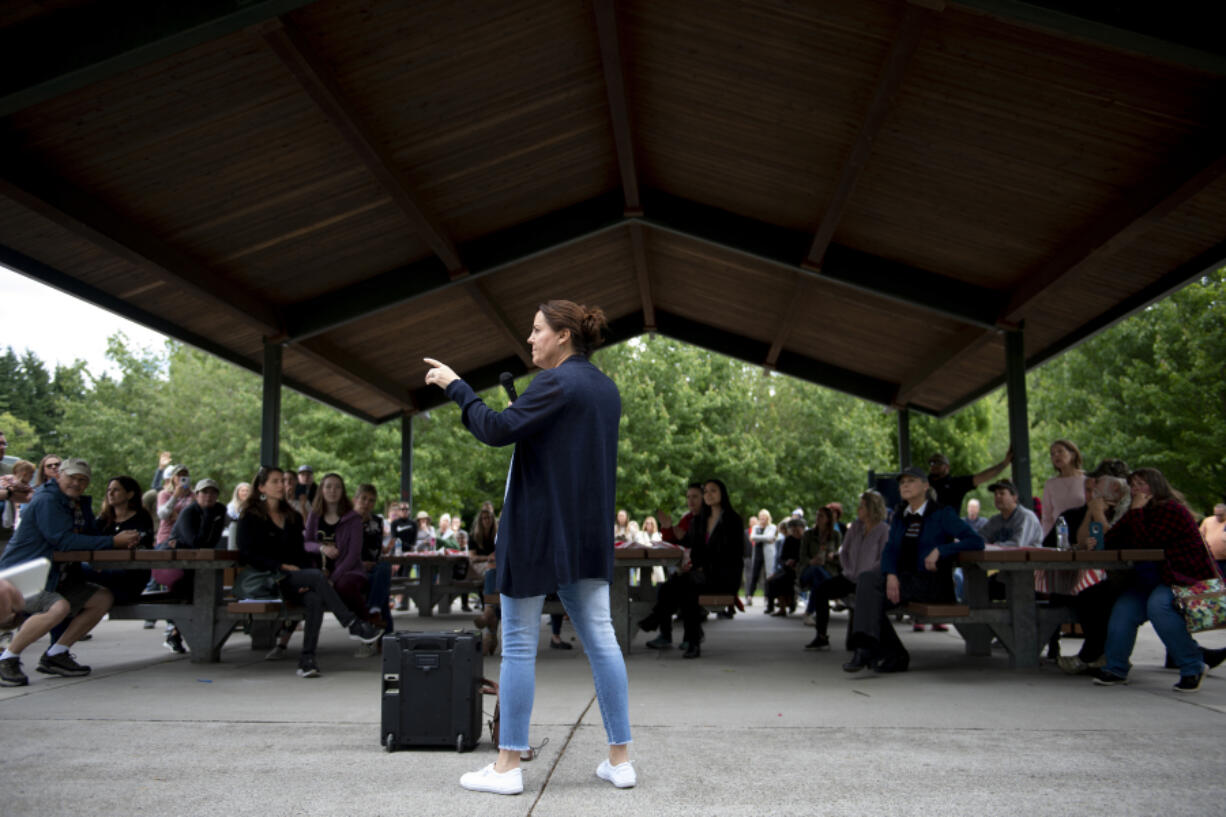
433,587
205,622
627,602
1021,622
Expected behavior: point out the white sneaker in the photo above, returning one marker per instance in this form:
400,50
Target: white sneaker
365,651
622,775
508,782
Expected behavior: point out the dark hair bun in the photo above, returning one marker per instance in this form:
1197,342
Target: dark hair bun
593,326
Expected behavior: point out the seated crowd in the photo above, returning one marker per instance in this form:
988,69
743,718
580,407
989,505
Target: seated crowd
315,545
885,559
311,545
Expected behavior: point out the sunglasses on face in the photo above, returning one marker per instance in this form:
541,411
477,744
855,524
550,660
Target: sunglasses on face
51,465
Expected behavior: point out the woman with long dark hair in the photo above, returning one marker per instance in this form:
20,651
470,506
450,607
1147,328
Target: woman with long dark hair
270,544
1157,517
122,510
716,545
555,535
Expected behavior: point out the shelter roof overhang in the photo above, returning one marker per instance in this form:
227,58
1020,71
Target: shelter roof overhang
864,195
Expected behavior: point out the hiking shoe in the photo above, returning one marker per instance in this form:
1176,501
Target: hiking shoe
1103,678
508,782
307,669
61,664
174,642
1189,683
363,631
276,653
1074,665
11,674
622,775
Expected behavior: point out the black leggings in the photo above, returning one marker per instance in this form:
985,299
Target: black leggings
836,587
319,594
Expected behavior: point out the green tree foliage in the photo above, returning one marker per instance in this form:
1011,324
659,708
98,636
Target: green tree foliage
1149,391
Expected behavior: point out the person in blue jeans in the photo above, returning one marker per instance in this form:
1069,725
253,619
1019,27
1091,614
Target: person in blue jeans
1157,517
554,535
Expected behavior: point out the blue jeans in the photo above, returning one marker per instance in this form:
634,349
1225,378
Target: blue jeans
810,578
380,593
587,604
1132,609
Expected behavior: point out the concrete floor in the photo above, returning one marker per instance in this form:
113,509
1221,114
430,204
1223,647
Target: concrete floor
756,727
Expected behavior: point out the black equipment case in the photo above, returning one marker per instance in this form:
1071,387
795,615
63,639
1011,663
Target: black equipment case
431,689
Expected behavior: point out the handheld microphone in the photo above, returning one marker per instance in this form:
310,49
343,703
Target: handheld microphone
508,385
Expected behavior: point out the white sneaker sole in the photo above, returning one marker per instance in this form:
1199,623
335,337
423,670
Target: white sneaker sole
605,772
487,780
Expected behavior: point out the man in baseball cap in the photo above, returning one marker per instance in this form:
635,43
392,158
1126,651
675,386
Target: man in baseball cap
916,565
57,519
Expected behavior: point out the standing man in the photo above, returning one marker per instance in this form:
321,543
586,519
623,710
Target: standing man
57,518
304,490
950,490
554,535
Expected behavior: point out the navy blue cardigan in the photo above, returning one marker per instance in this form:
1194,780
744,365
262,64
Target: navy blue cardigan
557,515
942,529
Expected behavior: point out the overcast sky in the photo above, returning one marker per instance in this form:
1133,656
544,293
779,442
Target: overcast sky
60,328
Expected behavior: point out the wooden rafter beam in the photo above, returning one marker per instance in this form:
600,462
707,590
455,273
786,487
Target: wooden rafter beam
102,226
1111,232
64,282
957,347
317,80
1137,212
615,88
329,357
889,79
89,219
623,142
485,304
638,246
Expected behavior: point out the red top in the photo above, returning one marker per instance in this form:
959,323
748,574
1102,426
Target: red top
683,523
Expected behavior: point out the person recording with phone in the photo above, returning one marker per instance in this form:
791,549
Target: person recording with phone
554,535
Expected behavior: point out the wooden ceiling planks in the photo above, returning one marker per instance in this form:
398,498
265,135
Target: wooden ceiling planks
751,109
496,112
1004,142
222,128
1003,145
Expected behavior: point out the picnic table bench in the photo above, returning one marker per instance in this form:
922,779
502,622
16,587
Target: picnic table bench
1021,622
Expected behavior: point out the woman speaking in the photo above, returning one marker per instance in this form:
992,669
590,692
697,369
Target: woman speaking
554,535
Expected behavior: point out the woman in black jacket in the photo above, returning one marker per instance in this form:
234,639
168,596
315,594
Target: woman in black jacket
270,543
715,542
